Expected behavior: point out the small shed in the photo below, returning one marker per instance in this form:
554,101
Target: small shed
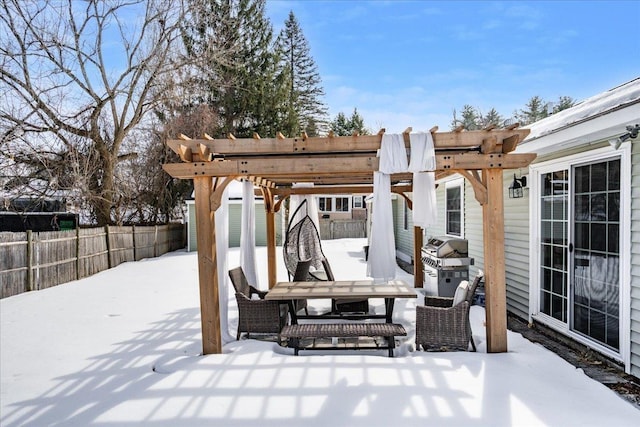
235,215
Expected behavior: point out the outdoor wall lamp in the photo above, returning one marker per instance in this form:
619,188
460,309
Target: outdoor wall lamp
632,133
515,189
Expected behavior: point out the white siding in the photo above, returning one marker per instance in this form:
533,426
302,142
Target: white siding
635,259
516,240
516,249
403,238
191,227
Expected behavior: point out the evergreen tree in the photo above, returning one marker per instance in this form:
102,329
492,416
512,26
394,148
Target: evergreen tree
492,118
563,103
305,110
238,74
536,109
341,126
469,120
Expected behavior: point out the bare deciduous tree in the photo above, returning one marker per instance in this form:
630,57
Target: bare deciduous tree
75,79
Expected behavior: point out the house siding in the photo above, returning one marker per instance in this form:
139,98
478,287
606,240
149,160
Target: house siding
516,241
635,260
403,238
438,229
516,249
191,228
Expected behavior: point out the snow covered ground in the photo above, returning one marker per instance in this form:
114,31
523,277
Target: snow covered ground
121,348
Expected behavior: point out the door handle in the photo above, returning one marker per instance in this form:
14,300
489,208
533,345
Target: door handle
570,247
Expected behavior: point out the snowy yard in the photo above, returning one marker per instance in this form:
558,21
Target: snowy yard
121,348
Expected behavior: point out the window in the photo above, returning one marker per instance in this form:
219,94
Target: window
342,204
405,215
325,204
334,204
454,207
358,201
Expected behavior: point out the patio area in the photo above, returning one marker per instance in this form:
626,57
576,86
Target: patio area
123,348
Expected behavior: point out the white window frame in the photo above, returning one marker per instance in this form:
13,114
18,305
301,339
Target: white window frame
456,182
567,162
405,214
360,202
333,203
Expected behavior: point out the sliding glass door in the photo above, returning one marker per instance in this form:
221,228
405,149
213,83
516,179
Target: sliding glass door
596,258
580,249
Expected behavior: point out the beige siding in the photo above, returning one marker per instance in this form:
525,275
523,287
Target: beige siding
635,259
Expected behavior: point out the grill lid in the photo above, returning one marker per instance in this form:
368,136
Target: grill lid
446,247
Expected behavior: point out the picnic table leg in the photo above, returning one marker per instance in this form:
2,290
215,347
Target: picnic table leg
388,309
292,310
392,344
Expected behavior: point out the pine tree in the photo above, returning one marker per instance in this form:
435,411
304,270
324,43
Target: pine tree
534,110
305,110
563,103
469,120
341,126
238,75
492,118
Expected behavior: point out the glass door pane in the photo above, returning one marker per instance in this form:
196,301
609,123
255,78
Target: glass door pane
596,272
553,244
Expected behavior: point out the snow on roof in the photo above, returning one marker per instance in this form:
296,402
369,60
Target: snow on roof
614,99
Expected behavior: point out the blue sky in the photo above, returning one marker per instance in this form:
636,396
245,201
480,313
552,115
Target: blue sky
410,63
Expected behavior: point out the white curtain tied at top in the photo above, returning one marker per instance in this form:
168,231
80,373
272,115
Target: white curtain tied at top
311,209
222,247
381,263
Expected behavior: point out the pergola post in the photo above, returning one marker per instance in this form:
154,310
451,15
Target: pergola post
494,264
417,258
207,266
270,215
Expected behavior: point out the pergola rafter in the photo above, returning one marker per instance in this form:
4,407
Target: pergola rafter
344,165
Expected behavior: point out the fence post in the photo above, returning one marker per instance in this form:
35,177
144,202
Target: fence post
78,252
106,230
30,260
155,242
133,234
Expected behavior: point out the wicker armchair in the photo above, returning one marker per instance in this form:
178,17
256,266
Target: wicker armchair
442,326
257,316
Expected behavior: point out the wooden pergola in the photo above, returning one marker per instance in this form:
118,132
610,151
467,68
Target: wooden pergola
344,165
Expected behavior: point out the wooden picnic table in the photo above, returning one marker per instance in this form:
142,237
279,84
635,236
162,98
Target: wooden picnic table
291,291
340,289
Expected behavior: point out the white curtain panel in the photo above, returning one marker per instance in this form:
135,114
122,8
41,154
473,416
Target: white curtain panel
222,248
311,209
423,161
248,234
381,263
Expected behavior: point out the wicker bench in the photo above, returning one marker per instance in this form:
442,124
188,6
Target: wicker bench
294,333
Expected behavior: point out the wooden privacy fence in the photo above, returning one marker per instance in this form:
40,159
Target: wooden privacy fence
32,261
343,228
